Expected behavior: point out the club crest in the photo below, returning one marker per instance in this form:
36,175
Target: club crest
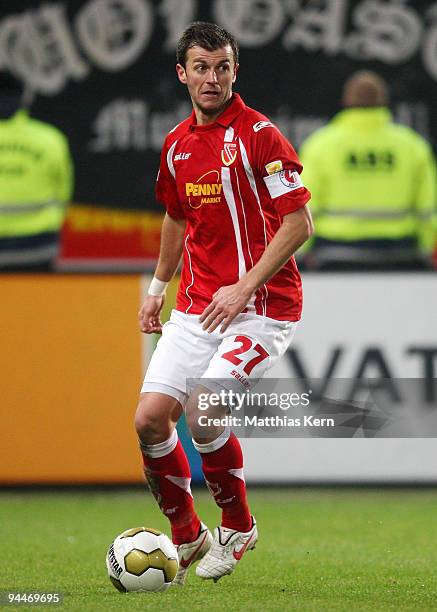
229,153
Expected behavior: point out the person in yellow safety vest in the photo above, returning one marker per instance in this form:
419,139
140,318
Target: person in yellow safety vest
373,186
35,184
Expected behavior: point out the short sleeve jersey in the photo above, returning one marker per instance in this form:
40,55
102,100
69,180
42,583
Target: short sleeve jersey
233,181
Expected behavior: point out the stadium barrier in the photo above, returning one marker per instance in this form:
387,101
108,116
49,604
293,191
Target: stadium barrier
71,366
72,361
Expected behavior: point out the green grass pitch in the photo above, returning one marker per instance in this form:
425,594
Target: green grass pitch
318,550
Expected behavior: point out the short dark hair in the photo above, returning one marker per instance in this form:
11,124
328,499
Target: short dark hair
365,89
209,36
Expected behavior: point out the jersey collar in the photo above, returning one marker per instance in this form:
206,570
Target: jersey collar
232,111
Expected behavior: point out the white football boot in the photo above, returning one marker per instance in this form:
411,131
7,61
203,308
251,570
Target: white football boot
191,552
226,551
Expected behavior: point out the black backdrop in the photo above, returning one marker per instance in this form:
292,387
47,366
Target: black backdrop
103,72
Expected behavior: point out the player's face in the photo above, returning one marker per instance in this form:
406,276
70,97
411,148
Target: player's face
209,76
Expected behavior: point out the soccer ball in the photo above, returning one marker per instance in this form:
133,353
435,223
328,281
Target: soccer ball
142,559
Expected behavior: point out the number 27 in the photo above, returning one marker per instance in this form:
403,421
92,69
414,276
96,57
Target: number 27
246,344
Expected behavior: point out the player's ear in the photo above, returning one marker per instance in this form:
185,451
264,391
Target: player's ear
182,75
236,67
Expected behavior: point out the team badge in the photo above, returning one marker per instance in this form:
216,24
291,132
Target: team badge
229,153
290,179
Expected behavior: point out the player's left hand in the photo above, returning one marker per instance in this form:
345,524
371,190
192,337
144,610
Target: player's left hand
149,319
225,305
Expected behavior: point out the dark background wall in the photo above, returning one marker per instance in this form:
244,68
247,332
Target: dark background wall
103,71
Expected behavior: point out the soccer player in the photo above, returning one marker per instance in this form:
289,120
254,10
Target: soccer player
235,212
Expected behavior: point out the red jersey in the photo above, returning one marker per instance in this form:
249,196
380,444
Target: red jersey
233,181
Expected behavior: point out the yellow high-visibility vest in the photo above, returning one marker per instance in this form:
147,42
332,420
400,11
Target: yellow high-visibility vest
370,179
35,185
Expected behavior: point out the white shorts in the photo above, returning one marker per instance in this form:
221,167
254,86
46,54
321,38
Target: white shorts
242,354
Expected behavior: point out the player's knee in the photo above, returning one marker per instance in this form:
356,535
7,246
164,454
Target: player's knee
192,420
198,422
150,426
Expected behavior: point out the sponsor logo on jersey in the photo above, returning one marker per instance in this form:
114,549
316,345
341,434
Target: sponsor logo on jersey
179,156
261,124
290,178
229,153
273,167
204,191
197,189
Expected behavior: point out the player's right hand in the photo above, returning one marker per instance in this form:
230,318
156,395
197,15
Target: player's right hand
150,321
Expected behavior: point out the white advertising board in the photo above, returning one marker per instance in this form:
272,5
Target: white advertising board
356,325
